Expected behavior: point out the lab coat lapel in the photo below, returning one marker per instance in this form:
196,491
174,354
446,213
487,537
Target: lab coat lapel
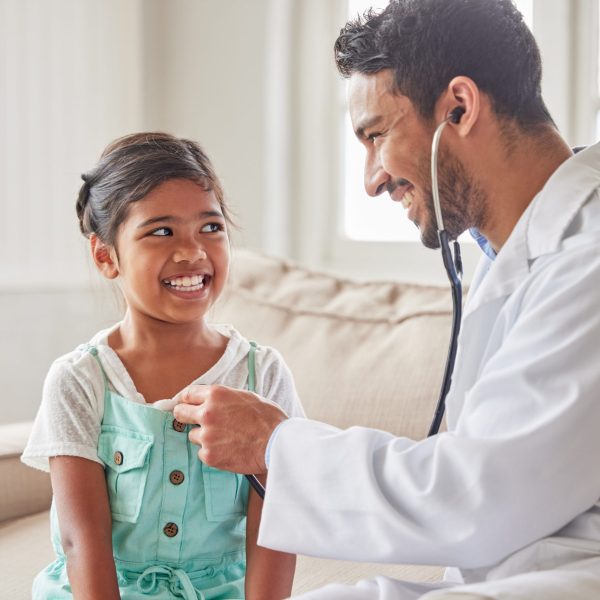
505,273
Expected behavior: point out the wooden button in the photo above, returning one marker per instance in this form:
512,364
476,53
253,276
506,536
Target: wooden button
176,477
118,458
178,426
170,529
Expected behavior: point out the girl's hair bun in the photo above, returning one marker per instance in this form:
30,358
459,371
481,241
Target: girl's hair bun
82,206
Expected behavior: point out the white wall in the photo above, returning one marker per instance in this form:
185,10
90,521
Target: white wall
203,77
74,76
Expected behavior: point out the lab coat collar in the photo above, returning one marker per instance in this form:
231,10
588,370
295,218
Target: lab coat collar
561,199
540,229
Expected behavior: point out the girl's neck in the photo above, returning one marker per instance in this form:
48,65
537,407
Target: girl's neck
158,338
163,358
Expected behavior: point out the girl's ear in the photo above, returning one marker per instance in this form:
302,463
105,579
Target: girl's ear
105,257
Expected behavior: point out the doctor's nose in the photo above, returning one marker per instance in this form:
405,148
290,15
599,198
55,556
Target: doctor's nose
376,178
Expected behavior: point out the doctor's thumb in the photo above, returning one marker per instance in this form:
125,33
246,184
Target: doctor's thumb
193,394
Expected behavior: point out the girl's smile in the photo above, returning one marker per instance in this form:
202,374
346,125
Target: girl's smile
188,285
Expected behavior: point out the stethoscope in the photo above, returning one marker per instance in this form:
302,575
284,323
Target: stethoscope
453,265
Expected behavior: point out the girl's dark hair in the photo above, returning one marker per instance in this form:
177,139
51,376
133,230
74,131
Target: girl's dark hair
129,169
428,42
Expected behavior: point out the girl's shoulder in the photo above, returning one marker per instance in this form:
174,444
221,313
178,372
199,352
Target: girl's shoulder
274,380
73,403
238,347
80,364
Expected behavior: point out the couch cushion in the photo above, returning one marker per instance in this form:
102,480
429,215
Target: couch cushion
25,549
361,353
24,490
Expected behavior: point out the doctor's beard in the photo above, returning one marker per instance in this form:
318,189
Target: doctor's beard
462,200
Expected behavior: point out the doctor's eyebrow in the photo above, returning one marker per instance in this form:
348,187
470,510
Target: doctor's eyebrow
207,214
360,130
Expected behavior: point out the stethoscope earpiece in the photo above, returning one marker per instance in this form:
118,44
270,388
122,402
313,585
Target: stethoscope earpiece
456,115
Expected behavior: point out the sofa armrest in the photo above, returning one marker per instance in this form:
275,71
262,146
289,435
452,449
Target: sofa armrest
23,490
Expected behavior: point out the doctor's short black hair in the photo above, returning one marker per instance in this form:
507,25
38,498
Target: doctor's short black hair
429,42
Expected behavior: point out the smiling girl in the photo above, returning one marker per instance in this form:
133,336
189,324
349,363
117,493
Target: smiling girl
135,514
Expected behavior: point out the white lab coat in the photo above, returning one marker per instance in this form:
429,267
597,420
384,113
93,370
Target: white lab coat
514,484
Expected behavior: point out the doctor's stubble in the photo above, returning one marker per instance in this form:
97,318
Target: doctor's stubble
463,201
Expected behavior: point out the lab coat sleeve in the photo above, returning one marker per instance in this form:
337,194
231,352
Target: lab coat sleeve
521,463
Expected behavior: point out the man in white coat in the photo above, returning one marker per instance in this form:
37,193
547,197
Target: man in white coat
509,494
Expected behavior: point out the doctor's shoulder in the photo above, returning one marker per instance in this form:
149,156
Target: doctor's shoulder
578,250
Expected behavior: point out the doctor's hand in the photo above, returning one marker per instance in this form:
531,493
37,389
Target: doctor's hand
234,426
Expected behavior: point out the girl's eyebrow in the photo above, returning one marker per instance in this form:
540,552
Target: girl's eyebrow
170,218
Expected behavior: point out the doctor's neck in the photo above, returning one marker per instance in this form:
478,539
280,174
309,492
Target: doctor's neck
512,169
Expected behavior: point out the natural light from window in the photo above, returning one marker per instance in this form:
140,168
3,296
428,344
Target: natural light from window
598,71
378,219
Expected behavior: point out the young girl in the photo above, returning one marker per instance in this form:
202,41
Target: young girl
135,513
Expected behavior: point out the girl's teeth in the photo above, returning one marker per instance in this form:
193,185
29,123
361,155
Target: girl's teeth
188,284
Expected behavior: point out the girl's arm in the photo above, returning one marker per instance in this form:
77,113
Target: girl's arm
85,527
269,574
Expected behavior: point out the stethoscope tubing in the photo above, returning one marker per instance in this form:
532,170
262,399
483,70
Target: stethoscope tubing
257,486
453,266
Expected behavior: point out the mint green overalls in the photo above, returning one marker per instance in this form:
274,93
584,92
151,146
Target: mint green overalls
178,526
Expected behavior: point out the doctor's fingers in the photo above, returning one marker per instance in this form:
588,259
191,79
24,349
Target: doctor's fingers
189,413
217,449
196,400
195,394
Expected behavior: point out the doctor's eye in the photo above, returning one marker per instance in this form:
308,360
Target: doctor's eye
161,232
373,136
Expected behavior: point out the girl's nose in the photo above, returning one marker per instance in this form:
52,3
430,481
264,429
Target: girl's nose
376,178
190,253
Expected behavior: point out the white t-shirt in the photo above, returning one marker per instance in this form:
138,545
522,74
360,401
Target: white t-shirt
69,418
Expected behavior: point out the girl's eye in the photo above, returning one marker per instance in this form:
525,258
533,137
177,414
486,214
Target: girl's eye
161,231
212,228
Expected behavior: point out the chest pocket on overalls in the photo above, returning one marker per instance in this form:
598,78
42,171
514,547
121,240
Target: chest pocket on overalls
225,494
125,455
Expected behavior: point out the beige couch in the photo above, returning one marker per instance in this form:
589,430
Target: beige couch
361,353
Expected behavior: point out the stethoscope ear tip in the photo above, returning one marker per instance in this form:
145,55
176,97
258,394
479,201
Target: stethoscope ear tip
456,114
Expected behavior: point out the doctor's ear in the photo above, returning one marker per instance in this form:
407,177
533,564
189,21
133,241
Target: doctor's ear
461,103
105,257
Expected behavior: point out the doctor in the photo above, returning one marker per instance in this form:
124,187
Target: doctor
509,494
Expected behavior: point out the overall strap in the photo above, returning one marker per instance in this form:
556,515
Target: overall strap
94,352
254,482
252,367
